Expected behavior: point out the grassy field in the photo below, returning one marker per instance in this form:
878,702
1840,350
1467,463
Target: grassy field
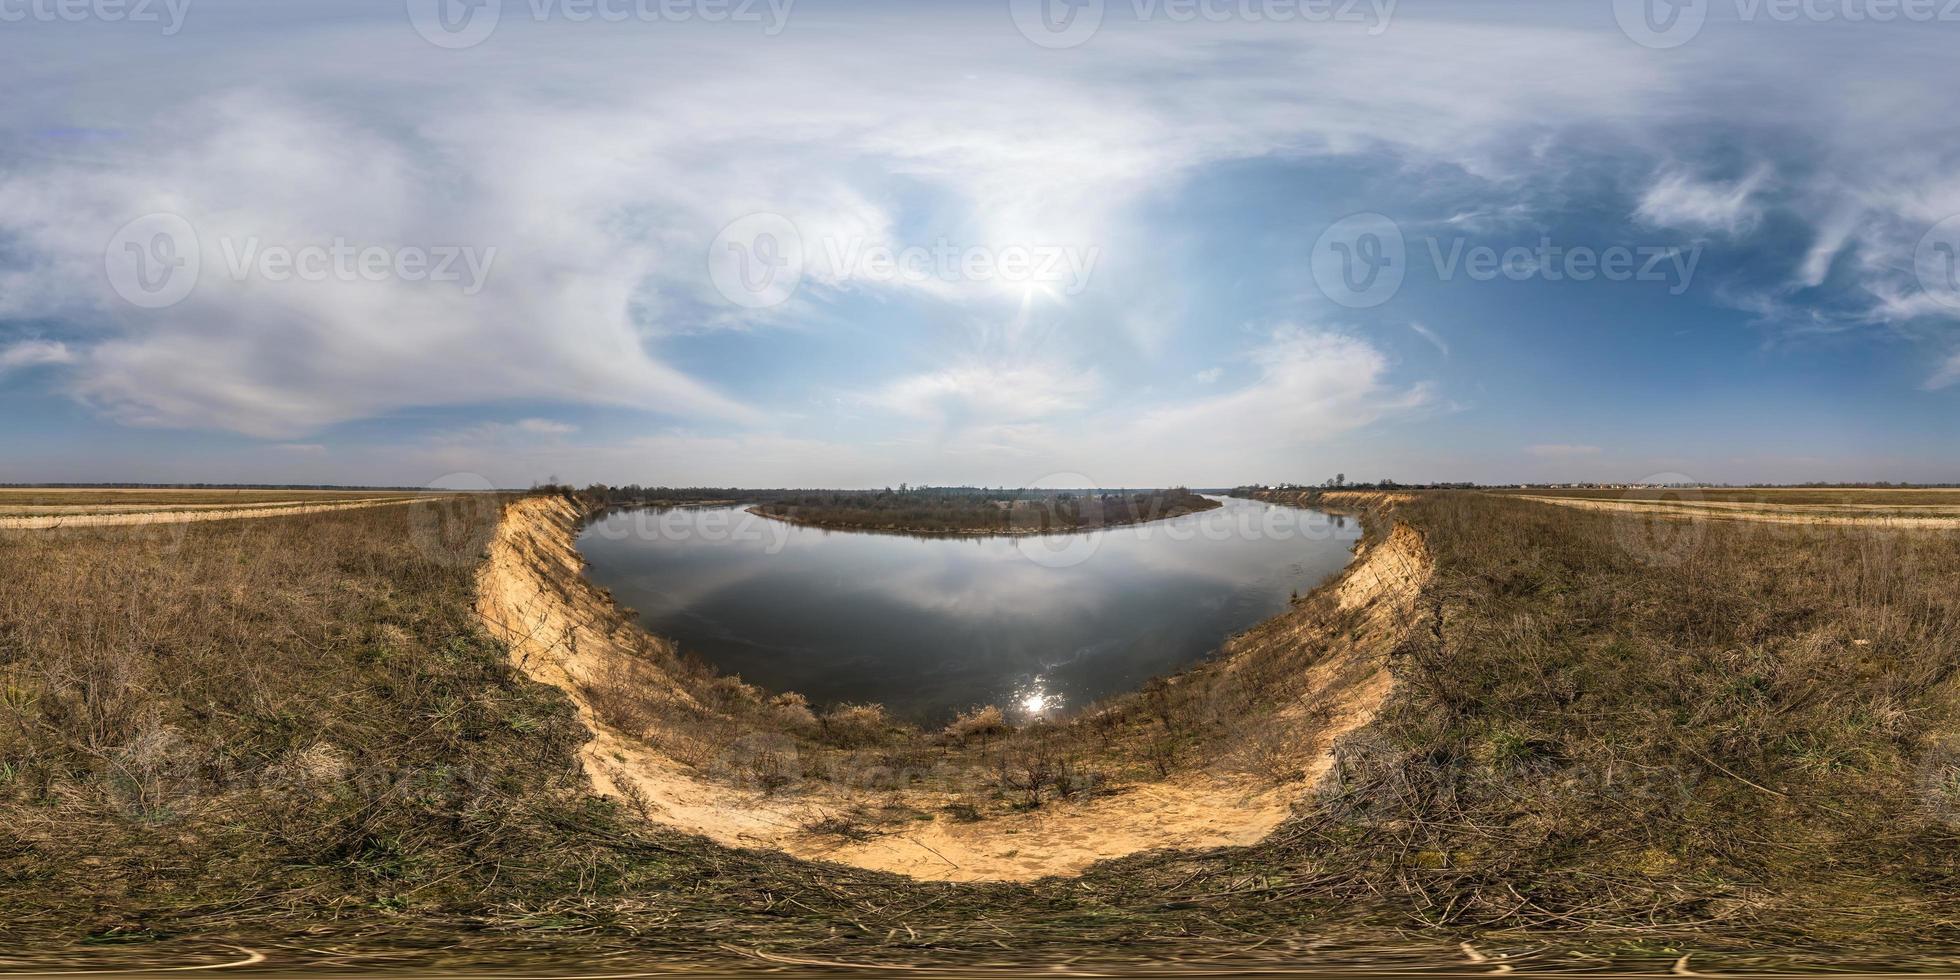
20,504
1903,508
111,496
1775,496
1612,741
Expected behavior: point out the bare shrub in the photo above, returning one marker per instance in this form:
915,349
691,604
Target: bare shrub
984,724
1075,781
1028,771
838,827
962,812
765,768
1162,753
1158,700
794,711
629,790
1106,723
623,692
855,725
1273,754
728,693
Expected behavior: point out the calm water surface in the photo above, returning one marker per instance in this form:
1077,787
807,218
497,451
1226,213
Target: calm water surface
929,626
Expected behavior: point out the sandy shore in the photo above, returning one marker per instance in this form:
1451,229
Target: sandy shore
563,631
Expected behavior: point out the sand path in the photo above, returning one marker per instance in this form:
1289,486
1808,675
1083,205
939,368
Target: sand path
181,516
1922,516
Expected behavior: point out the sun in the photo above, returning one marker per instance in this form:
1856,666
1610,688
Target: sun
1031,291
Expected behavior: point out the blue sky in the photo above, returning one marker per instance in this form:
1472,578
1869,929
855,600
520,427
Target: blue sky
1116,255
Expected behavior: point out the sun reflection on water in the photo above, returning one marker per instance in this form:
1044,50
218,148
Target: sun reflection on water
1034,702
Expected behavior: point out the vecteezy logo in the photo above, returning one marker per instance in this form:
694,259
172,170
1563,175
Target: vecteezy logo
455,24
1937,262
757,260
1060,549
1057,23
1359,261
154,261
1660,23
1663,526
451,526
1939,780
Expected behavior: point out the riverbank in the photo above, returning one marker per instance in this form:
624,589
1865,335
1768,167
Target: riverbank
712,756
978,516
296,735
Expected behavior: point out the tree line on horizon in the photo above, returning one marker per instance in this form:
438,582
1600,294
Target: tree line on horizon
975,509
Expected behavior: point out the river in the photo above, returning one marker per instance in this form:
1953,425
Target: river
929,626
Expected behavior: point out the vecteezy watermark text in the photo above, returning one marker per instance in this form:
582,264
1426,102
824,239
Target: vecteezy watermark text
157,260
761,259
1362,260
1670,264
468,23
1671,23
168,13
341,261
1936,263
1068,23
855,257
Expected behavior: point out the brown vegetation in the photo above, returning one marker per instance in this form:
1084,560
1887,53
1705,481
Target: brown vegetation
1740,734
1932,509
939,511
291,734
713,755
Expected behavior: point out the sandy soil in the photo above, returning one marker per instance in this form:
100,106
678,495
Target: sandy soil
106,516
1334,500
1930,516
561,630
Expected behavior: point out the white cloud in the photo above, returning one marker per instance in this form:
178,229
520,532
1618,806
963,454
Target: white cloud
1310,387
546,427
601,199
1677,199
34,353
1832,235
602,208
1208,375
991,394
1435,339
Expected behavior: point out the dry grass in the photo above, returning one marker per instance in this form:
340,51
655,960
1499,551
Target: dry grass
291,733
66,497
1898,507
1729,737
1774,496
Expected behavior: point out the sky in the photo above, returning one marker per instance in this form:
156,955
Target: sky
1094,243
